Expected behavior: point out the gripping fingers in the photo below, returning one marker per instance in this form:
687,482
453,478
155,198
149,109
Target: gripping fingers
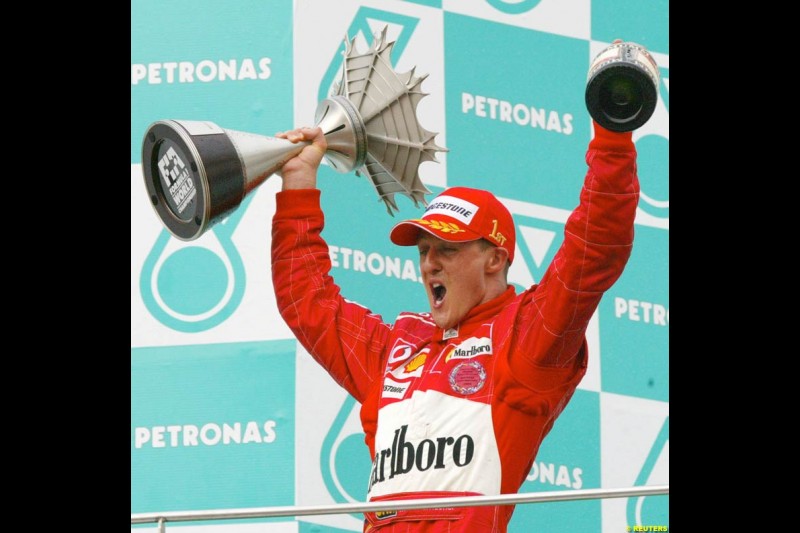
304,133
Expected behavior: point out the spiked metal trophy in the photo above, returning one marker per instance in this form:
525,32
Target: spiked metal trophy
196,172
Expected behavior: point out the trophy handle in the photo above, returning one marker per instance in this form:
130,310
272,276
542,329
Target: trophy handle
345,132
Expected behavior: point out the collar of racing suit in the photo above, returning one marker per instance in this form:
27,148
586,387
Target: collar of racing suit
477,315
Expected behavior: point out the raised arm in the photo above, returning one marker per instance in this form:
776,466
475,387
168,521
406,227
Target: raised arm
344,337
598,239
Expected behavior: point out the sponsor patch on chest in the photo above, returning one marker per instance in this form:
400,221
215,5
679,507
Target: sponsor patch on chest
468,377
472,347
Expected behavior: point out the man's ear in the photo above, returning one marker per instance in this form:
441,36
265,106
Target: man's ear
498,258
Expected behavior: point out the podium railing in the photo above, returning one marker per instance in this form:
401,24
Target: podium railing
162,518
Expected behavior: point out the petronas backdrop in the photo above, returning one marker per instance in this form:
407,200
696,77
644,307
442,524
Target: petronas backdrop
227,411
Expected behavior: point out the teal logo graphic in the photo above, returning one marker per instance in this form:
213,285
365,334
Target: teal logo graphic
646,23
243,82
513,8
212,426
194,288
650,509
568,459
344,460
653,164
361,26
534,101
634,321
536,247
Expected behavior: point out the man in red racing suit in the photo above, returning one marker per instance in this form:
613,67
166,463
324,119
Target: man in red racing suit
456,402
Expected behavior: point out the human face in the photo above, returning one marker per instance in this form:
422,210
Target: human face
454,274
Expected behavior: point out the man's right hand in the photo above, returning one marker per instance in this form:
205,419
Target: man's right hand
300,172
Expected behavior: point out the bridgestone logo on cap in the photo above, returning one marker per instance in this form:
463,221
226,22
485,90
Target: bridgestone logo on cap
452,207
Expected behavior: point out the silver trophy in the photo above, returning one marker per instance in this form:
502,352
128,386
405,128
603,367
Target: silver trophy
622,86
196,172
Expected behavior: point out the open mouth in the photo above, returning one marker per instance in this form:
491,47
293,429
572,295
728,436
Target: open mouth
438,290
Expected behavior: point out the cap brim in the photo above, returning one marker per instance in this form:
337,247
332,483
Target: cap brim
406,233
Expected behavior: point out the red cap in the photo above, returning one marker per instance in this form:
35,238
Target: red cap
461,214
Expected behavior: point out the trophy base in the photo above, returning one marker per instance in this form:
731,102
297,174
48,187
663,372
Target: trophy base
178,157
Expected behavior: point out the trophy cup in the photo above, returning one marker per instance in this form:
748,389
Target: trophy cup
622,87
196,172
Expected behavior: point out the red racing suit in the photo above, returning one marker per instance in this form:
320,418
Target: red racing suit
463,411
